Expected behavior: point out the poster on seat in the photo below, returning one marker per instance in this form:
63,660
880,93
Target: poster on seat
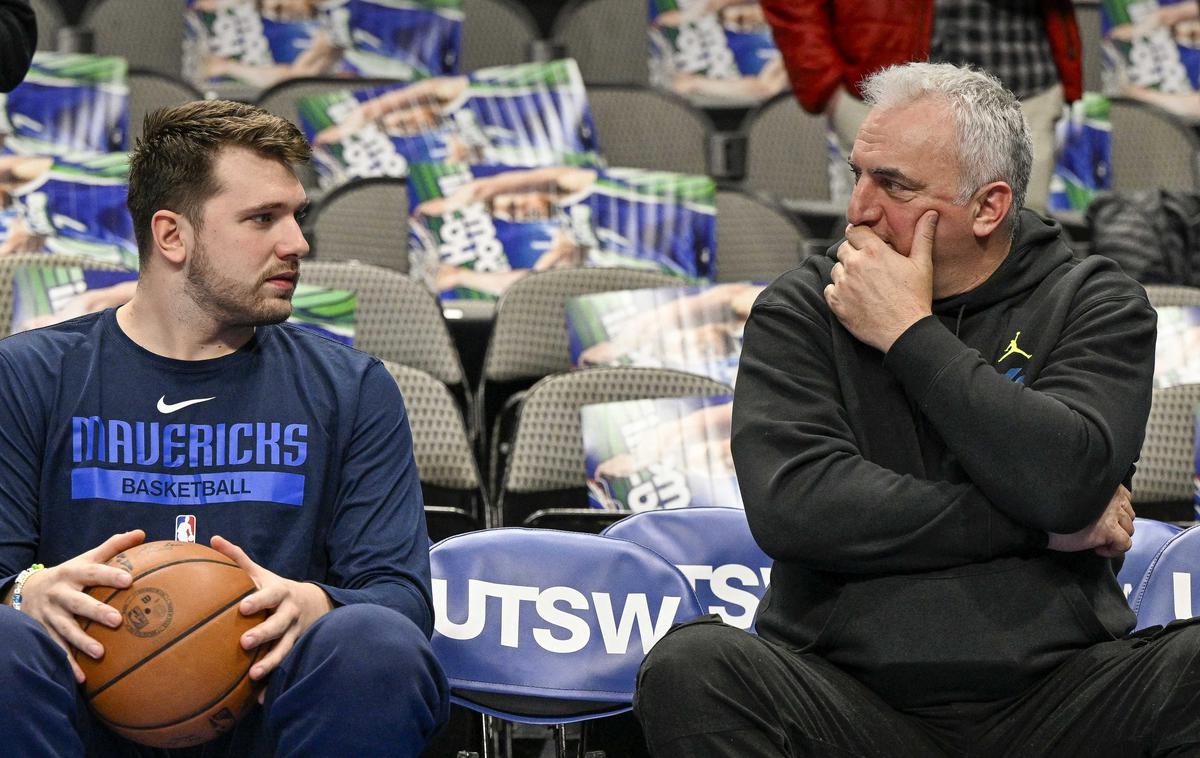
246,46
533,114
662,453
474,230
714,52
697,329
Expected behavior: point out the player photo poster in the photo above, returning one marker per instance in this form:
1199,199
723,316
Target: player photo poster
1152,52
52,294
532,114
693,329
1083,166
714,52
70,205
256,44
67,104
474,230
1177,350
664,453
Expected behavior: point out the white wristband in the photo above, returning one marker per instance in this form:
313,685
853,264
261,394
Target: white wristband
19,584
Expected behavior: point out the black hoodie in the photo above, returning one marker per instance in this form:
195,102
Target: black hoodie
906,499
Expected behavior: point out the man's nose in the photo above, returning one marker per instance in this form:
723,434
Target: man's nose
294,245
864,206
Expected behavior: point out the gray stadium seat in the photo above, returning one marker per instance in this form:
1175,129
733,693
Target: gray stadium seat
441,448
365,220
10,263
50,19
1162,295
397,319
756,239
1163,486
1152,149
644,128
494,33
150,90
546,450
1087,15
148,33
608,38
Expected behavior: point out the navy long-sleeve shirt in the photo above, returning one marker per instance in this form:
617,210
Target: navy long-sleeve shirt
294,447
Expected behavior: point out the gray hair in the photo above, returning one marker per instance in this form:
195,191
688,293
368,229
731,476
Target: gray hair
994,143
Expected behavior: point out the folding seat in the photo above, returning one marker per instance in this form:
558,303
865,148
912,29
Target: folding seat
541,471
714,549
540,626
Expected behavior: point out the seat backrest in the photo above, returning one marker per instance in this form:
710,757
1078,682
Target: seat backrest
714,549
1151,149
441,446
1149,536
495,33
50,19
1087,16
1167,591
396,318
147,33
756,239
1166,470
365,220
11,262
608,38
543,626
1166,295
639,127
787,150
150,90
547,446
529,335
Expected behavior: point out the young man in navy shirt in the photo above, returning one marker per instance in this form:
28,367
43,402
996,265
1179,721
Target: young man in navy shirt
287,452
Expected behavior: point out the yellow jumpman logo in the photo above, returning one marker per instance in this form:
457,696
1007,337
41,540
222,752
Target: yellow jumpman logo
1012,348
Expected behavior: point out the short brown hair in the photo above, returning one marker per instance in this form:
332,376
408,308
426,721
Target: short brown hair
171,166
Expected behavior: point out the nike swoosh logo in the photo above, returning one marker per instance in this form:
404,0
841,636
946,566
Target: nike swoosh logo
165,407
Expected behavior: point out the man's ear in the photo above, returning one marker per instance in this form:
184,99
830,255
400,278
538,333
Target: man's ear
172,234
991,202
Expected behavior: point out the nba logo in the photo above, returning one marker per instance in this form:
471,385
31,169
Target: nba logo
185,528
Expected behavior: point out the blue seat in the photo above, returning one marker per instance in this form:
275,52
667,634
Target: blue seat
1167,592
714,549
541,626
1148,538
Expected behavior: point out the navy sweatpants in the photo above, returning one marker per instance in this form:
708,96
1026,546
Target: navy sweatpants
708,690
361,681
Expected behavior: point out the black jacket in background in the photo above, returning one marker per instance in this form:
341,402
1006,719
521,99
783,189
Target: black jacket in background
906,500
18,38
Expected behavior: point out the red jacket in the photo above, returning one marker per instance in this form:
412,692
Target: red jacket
832,43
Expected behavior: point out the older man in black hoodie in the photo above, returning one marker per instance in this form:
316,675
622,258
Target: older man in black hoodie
934,429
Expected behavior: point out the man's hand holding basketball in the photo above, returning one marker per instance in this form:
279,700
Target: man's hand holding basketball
877,293
293,607
56,596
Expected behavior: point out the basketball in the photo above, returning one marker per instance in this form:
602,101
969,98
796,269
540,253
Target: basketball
173,673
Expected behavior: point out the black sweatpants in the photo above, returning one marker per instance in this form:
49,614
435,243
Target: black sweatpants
711,690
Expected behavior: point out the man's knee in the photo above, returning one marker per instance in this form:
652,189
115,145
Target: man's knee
28,651
364,640
706,649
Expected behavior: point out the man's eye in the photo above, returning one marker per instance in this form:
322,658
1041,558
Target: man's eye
262,218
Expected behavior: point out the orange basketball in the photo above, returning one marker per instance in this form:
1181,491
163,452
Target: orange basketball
173,673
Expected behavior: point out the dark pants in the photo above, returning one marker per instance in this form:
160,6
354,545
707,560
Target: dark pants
361,681
707,689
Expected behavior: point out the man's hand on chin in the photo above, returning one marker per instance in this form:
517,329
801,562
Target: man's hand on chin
878,293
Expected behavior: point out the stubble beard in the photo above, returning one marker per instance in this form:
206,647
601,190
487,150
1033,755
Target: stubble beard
229,301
